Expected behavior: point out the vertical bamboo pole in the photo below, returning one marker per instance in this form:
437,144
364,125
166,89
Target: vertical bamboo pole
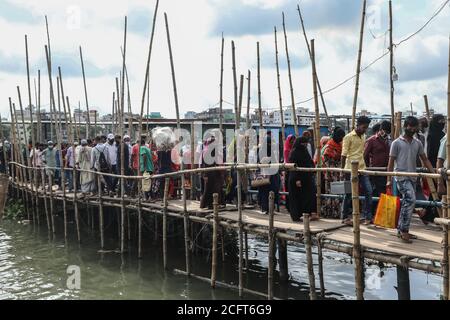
192,160
221,87
294,114
15,148
321,274
27,155
271,245
122,144
60,140
165,204
38,99
427,108
356,233
445,254
358,65
238,173
33,140
214,240
186,214
283,260
100,208
391,64
309,257
74,178
113,129
52,107
259,88
280,97
448,181
248,99
49,62
85,95
317,131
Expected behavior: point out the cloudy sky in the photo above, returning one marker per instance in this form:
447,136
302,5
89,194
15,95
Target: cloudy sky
196,27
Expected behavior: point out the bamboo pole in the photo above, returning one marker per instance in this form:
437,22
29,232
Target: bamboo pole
49,63
280,97
16,150
221,87
358,65
271,239
427,108
166,204
214,240
391,64
294,114
317,130
317,78
38,99
122,144
321,273
248,99
60,140
186,214
445,251
27,155
66,120
33,140
100,208
356,233
85,95
238,173
74,177
309,257
446,235
259,88
193,143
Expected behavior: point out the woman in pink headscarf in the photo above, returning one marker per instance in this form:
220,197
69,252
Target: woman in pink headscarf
288,144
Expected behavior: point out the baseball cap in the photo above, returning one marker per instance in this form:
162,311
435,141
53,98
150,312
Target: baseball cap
110,136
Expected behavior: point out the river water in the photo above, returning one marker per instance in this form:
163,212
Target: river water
34,266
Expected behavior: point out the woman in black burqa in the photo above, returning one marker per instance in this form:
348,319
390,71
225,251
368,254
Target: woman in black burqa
435,134
302,198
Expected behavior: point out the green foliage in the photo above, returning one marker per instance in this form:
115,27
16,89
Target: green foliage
14,210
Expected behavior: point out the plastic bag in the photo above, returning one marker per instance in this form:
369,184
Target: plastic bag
388,211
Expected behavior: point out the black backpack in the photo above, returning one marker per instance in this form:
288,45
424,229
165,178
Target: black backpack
104,166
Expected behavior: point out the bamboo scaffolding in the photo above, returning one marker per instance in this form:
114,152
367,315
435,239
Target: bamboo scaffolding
66,118
17,149
446,234
38,102
427,108
280,96
309,257
358,64
183,185
316,130
49,63
356,233
317,78
85,95
271,239
214,240
294,113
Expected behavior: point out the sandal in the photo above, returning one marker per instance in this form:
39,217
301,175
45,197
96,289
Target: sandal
405,237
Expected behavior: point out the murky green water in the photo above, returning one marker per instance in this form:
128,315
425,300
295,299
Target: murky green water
32,266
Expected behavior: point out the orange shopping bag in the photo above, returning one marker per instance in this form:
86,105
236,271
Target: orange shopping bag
388,211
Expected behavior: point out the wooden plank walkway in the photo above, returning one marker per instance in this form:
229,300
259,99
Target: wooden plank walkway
427,246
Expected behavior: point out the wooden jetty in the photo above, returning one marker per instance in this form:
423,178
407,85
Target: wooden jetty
428,253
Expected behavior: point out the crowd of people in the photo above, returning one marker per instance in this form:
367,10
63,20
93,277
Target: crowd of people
422,144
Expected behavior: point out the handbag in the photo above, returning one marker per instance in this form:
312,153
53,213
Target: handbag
260,181
388,211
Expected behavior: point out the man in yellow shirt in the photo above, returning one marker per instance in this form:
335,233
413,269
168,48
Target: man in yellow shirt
353,150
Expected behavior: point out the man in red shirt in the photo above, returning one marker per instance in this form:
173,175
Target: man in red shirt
376,155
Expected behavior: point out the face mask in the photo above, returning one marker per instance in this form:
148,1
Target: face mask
50,148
